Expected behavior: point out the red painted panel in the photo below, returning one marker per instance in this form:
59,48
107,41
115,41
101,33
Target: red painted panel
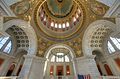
1,61
11,69
59,70
67,70
109,72
51,70
117,60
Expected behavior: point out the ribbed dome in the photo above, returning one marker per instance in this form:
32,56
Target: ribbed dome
59,19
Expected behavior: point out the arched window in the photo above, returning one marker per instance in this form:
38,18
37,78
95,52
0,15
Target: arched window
111,47
8,47
116,42
5,44
53,59
60,57
3,41
67,59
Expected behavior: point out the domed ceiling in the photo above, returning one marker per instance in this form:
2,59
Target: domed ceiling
59,21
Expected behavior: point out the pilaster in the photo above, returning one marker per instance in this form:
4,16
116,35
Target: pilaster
33,67
86,65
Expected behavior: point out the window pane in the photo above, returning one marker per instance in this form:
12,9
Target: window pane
118,40
110,48
117,44
60,57
53,59
3,41
57,59
8,47
60,54
1,38
67,59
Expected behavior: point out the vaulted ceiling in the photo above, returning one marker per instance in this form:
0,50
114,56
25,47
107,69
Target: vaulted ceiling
66,27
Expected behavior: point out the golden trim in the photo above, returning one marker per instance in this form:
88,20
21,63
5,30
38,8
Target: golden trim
36,15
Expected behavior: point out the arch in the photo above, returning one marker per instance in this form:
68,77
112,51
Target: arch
11,69
28,29
72,53
91,28
48,52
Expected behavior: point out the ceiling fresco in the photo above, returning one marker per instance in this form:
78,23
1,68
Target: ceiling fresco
48,22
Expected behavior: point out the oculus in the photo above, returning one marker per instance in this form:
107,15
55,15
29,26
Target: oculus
59,0
60,8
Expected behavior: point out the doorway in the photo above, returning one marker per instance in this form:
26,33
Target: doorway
59,71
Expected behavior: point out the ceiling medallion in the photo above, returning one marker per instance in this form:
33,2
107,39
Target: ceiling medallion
59,7
97,8
22,7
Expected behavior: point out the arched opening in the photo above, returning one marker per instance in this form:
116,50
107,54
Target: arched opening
19,61
95,34
59,62
97,59
11,69
102,64
27,29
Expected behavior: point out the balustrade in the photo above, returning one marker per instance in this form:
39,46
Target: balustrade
73,77
67,77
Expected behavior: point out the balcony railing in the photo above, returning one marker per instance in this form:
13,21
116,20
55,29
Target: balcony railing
59,77
68,77
73,77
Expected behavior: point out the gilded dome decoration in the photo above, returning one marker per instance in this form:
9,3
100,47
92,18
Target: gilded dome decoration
97,9
59,26
60,50
60,8
22,7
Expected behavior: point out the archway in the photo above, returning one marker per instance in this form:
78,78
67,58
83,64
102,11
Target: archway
59,62
28,29
99,56
103,26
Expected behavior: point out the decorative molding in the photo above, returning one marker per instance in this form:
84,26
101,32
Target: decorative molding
6,8
84,58
113,9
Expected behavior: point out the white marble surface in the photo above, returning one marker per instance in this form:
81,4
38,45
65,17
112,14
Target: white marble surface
86,65
33,68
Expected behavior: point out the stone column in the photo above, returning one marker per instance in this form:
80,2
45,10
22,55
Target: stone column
33,68
86,65
18,66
